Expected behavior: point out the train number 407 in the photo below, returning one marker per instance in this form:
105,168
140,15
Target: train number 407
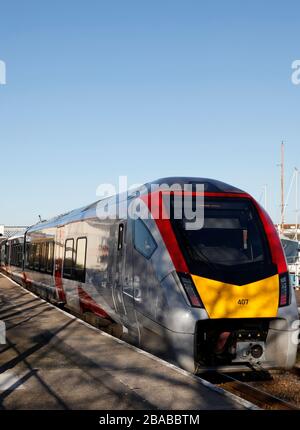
243,302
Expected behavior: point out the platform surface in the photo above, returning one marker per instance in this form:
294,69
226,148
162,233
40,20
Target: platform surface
52,360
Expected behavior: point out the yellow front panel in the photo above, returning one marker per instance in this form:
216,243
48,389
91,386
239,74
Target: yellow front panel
256,300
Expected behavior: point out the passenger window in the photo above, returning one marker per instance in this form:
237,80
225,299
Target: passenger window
6,254
50,257
20,256
69,258
144,243
43,257
12,255
30,257
37,257
79,273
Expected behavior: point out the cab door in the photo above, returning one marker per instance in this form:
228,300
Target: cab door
146,285
124,291
119,271
128,287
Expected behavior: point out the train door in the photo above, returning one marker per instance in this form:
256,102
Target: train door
70,285
58,262
119,268
128,284
146,286
124,292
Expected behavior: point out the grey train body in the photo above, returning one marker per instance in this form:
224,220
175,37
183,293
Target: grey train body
126,284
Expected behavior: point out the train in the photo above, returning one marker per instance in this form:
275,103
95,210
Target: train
213,298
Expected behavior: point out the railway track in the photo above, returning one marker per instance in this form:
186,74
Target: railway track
254,395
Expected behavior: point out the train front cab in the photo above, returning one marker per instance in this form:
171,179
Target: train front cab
235,276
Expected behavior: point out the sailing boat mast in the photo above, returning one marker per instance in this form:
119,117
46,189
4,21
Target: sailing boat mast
297,210
282,186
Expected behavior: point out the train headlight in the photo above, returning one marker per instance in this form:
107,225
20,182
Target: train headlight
190,290
284,289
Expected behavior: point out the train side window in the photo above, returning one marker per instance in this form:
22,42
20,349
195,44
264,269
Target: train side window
28,255
43,257
20,255
18,248
144,242
50,257
2,254
120,236
80,263
6,254
12,255
31,255
68,259
37,257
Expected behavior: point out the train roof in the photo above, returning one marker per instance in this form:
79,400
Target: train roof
210,185
89,211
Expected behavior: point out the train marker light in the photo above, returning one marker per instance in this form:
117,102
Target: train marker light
284,292
190,290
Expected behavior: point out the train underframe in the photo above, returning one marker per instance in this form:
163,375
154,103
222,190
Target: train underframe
244,344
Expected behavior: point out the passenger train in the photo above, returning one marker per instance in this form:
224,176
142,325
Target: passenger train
218,297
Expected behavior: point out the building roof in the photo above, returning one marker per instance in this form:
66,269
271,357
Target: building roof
8,231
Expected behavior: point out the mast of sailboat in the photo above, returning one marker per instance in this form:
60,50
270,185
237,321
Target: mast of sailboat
282,186
297,210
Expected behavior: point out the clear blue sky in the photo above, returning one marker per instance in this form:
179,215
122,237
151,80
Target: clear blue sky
97,89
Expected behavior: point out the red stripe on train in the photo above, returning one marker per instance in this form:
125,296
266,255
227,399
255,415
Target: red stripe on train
58,280
88,304
158,211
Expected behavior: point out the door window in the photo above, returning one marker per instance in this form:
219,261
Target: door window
144,242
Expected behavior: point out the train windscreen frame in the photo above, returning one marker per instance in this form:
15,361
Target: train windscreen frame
231,247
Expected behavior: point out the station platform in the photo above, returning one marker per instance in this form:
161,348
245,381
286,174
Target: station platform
52,360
